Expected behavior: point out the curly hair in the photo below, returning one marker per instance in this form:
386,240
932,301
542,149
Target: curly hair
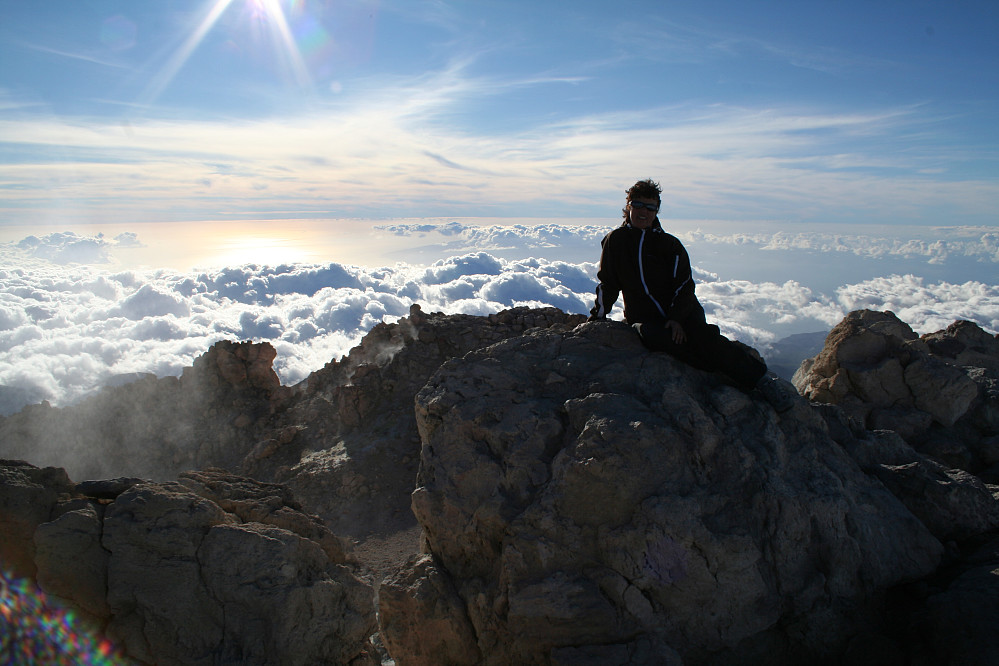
643,189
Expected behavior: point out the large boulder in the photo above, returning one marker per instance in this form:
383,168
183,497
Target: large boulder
584,500
940,392
212,568
72,563
189,583
423,620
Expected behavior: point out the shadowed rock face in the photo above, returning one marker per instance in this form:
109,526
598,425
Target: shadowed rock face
580,495
355,449
210,569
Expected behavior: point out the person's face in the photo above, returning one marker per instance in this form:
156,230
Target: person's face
639,213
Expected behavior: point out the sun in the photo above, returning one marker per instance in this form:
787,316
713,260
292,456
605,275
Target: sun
276,20
270,13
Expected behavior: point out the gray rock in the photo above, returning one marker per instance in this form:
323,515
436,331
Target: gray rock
213,569
107,488
579,491
962,618
950,617
583,501
28,498
424,619
939,392
191,583
345,440
356,451
157,428
71,562
953,504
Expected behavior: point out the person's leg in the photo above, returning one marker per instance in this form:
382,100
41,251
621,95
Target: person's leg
656,337
710,350
705,349
748,372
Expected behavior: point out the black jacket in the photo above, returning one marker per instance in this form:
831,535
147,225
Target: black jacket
651,268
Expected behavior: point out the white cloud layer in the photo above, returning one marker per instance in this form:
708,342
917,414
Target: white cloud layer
943,243
68,323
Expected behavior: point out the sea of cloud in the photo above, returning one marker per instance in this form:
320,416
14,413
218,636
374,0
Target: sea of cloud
70,321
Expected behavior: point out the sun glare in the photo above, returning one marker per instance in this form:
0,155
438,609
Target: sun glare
278,22
177,59
275,21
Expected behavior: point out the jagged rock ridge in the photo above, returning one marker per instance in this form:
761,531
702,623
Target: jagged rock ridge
939,392
345,440
355,453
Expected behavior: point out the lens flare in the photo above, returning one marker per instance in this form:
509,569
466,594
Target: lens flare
36,630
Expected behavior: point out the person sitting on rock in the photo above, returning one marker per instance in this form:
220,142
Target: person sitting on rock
652,270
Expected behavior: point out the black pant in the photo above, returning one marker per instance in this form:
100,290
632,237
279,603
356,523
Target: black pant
705,349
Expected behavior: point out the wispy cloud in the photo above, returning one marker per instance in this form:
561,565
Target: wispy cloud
939,244
719,162
78,55
691,42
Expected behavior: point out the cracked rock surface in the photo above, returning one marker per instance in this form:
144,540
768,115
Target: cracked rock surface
580,498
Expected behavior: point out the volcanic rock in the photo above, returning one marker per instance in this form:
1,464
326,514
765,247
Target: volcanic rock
28,496
344,440
581,501
349,446
212,568
584,498
940,392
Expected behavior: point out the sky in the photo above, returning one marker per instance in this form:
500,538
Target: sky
860,111
177,172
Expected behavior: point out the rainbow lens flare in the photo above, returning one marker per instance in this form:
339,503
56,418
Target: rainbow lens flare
36,630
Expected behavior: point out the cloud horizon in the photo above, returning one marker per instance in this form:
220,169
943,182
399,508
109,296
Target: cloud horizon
68,327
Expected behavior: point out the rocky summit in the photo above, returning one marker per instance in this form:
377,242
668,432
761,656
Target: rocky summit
578,500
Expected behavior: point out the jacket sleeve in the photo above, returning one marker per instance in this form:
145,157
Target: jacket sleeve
608,287
684,302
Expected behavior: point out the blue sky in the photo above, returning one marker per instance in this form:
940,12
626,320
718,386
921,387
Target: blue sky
860,112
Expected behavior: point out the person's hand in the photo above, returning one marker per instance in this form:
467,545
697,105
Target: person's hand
676,331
